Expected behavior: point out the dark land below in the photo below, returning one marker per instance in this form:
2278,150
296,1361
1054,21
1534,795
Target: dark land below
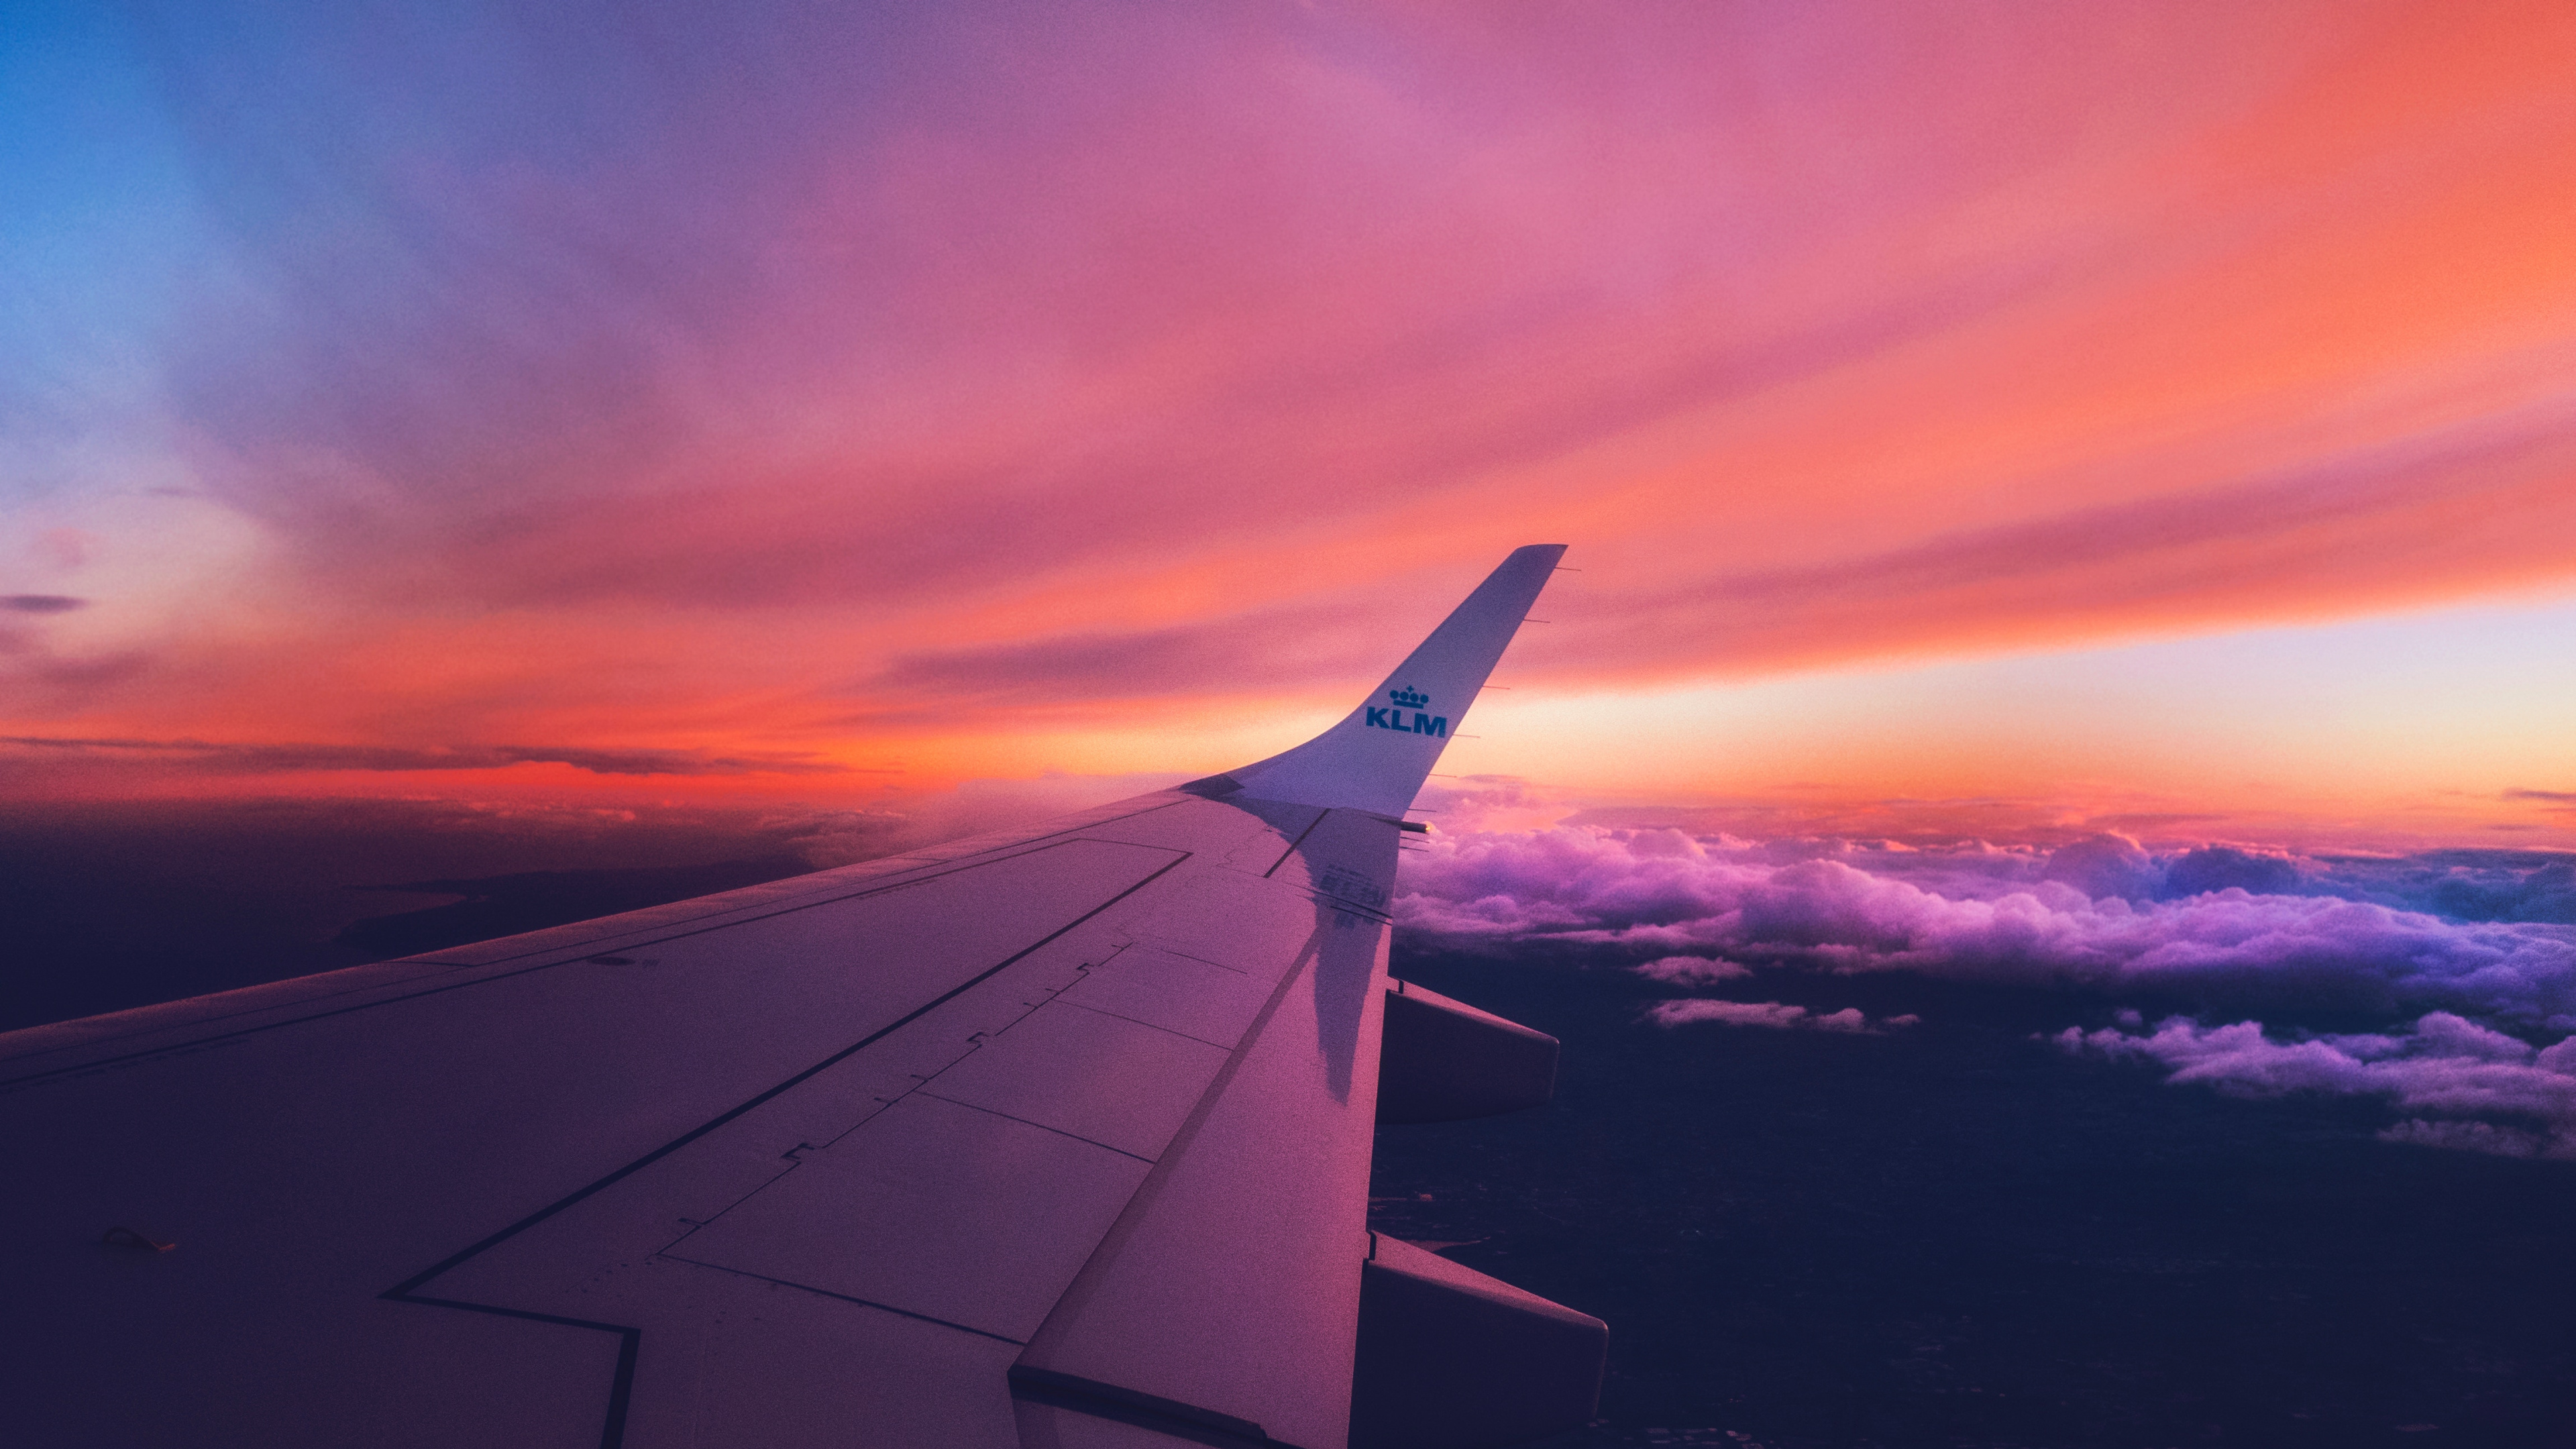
1956,1235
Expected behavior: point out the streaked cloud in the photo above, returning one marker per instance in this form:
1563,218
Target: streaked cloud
747,385
1243,653
262,759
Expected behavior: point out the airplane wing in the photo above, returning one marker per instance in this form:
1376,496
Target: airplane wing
1054,1138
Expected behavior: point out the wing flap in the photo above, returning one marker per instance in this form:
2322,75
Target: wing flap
1088,1075
925,1210
1243,1245
1197,999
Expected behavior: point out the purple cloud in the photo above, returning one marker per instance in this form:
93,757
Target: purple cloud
1774,1014
1732,1013
1981,912
1694,970
2469,1087
2415,939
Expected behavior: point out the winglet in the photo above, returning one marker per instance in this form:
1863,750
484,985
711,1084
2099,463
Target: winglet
1378,756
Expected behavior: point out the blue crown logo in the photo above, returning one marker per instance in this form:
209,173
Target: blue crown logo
1408,697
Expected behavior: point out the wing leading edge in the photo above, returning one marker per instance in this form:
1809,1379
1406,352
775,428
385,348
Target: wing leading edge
1048,1138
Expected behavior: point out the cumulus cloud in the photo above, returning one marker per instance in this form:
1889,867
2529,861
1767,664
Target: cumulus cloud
828,838
1778,1015
1732,1013
2107,865
1990,913
2463,953
2467,1086
1694,970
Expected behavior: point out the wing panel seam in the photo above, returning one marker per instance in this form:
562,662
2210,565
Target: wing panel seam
613,1433
807,1288
924,1091
1148,1025
222,1037
1300,840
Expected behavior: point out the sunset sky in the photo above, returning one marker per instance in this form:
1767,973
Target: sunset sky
2009,417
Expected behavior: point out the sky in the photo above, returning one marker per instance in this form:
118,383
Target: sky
2127,413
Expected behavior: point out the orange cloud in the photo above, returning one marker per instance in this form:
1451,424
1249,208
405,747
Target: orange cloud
992,391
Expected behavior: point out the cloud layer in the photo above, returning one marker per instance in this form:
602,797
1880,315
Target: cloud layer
2464,953
2469,1087
2101,913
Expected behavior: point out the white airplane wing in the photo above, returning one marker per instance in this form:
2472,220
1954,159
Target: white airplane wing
1053,1138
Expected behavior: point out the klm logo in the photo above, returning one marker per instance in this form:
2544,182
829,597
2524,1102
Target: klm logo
1413,700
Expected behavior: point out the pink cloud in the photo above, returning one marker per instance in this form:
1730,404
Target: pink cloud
1773,1014
1778,1015
1729,1013
1978,913
1694,970
1717,912
1042,355
2471,1087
